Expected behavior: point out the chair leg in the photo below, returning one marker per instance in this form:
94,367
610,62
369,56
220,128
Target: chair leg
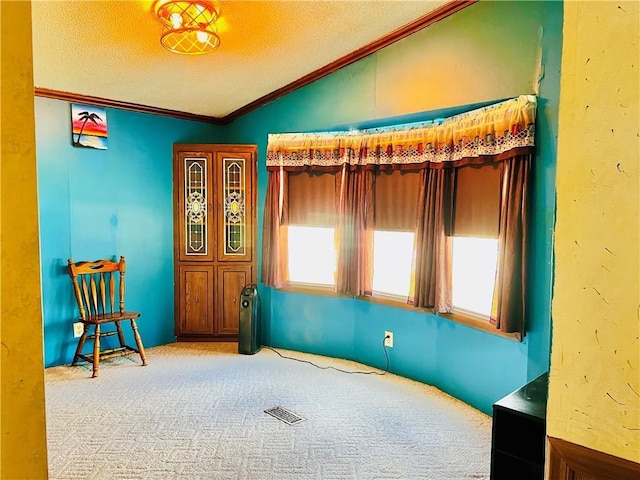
83,338
136,335
120,334
96,351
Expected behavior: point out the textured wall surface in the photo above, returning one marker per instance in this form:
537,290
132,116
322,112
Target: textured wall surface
22,436
488,51
594,397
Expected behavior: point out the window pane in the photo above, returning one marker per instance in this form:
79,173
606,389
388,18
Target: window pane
474,273
392,256
312,257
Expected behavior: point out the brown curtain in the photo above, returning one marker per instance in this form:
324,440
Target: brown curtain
354,232
431,286
275,267
510,289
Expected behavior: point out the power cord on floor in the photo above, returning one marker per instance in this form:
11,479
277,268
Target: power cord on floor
384,348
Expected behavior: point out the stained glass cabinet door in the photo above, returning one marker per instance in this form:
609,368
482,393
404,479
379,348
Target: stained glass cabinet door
195,215
235,216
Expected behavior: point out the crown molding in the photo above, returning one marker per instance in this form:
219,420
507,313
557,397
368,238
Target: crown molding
106,102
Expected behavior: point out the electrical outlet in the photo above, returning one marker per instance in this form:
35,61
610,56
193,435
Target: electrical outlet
78,328
388,339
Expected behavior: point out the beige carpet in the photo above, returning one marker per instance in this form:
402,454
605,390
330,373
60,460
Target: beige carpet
197,412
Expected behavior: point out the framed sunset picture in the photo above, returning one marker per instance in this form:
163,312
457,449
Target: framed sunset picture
89,126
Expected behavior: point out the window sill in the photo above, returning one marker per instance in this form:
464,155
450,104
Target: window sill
458,317
478,323
396,302
311,289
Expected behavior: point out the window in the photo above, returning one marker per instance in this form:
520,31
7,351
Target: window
392,258
395,215
475,242
474,273
312,257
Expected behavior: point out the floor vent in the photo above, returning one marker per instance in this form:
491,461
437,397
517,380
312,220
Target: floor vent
285,415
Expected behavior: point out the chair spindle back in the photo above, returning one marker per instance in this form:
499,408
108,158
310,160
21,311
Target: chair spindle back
94,286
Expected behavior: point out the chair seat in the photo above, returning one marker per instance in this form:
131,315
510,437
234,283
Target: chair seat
109,317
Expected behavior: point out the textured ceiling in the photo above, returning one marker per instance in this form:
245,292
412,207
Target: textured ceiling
111,49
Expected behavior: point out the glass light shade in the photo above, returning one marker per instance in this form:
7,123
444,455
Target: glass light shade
189,27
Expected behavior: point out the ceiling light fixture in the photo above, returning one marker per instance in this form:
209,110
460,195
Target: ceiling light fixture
189,27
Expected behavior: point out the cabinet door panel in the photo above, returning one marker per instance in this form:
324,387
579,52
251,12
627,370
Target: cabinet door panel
196,304
231,280
194,213
234,176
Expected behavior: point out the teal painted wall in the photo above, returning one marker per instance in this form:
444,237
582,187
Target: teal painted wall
100,203
487,52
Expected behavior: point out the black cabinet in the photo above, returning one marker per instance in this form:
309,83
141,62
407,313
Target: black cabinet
519,429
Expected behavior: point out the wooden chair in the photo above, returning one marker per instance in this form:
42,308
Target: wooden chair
94,285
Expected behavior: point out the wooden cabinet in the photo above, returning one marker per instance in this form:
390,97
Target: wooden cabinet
214,237
519,433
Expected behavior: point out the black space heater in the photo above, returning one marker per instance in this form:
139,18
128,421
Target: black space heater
249,328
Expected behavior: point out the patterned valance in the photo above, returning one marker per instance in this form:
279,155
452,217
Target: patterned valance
494,131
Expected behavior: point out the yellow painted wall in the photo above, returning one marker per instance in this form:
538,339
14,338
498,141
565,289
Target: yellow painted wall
461,61
594,397
23,438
